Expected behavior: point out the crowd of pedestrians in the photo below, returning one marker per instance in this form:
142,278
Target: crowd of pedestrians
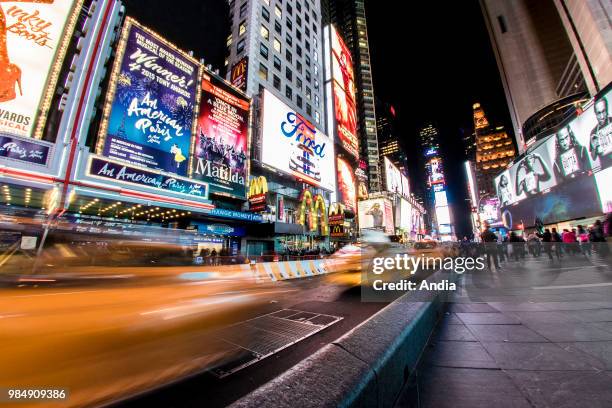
579,241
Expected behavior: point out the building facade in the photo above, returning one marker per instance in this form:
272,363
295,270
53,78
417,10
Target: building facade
494,151
552,56
275,52
349,17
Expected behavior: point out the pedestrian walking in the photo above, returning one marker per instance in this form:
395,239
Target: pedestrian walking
489,240
547,242
583,239
557,242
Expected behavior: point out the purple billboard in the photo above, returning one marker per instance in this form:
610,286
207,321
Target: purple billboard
149,117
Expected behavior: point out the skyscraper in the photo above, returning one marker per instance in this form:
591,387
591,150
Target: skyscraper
275,53
436,202
350,20
283,49
550,54
494,151
388,136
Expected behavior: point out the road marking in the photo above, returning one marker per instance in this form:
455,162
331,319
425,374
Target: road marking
54,294
585,285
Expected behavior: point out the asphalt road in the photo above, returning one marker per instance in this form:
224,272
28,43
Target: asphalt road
313,295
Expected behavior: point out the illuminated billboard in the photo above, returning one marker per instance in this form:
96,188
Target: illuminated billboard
376,213
405,216
148,119
293,145
34,43
564,173
221,149
347,189
435,171
489,209
443,215
603,181
396,182
441,198
343,88
239,74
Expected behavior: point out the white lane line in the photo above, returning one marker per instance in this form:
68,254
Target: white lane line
570,267
585,285
53,294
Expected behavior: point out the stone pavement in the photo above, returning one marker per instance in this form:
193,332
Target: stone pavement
537,333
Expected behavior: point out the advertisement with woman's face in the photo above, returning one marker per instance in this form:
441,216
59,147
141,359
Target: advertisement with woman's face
593,130
533,174
504,189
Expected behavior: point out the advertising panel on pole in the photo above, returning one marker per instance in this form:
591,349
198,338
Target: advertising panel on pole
343,88
148,119
376,213
347,189
32,49
221,147
293,145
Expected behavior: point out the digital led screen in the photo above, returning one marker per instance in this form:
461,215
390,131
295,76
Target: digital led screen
292,144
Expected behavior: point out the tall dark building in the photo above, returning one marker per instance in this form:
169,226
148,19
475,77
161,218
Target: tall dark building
388,136
437,205
349,18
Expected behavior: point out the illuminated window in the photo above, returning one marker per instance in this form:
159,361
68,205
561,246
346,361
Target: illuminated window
265,33
278,12
263,72
277,45
242,28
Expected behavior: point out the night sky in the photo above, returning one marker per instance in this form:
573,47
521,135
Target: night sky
431,63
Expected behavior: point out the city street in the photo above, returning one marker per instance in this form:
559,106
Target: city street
535,333
244,204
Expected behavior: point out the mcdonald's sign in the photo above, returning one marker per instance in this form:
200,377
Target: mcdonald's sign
336,214
258,188
313,212
337,231
239,74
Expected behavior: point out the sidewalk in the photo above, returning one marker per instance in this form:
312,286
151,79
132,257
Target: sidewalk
535,334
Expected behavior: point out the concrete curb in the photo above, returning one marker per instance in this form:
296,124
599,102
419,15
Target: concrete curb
367,367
